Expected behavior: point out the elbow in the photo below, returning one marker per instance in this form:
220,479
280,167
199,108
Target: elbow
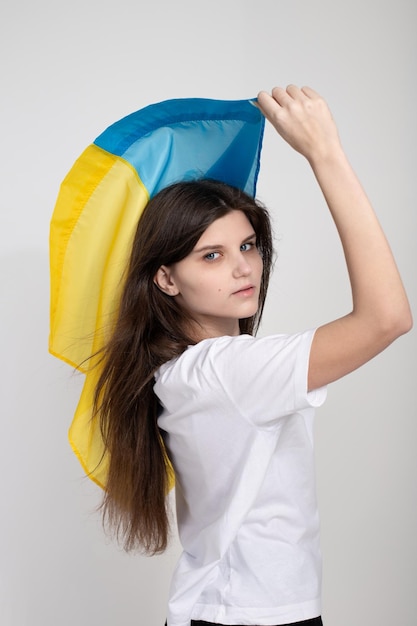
398,323
407,322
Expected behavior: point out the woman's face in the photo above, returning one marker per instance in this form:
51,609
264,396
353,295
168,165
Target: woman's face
219,281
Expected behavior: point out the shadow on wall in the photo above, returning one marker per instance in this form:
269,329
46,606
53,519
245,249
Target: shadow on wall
57,567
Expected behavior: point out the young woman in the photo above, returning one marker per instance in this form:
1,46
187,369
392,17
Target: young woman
185,382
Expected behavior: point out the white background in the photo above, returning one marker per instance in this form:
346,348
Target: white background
69,70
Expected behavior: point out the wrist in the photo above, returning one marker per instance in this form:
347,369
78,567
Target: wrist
327,155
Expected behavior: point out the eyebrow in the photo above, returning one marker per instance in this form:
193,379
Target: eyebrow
220,246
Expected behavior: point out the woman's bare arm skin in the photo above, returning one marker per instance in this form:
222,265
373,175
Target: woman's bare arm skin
380,312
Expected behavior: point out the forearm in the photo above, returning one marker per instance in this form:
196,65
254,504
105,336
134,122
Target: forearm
377,290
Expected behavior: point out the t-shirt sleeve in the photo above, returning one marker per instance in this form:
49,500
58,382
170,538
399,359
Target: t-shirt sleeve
263,378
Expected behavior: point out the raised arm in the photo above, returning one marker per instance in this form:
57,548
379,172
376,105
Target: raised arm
380,312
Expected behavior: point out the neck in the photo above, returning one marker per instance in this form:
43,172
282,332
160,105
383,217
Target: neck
199,331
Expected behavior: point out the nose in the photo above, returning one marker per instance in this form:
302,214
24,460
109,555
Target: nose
241,266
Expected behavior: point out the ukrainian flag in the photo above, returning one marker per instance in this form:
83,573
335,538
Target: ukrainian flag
98,206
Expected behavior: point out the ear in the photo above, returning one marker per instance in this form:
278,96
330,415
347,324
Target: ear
164,281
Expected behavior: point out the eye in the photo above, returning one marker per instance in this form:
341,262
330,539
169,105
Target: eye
212,256
245,247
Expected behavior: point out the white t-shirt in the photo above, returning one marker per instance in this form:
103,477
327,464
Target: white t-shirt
238,425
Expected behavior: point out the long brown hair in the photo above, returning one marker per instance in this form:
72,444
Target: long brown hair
151,329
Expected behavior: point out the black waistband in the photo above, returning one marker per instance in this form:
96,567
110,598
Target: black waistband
316,621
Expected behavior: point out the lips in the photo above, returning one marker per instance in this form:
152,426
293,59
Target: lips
247,290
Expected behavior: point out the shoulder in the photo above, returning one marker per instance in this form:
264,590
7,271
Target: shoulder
261,378
237,357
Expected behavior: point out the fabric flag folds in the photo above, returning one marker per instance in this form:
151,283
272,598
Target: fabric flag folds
99,204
